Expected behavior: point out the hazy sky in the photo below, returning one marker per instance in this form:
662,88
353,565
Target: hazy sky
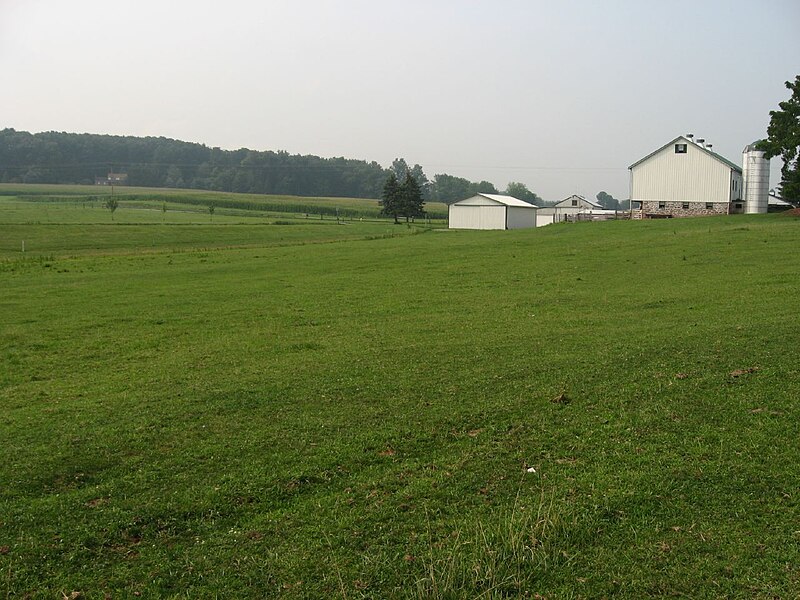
561,96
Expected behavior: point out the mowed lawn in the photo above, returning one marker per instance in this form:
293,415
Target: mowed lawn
577,411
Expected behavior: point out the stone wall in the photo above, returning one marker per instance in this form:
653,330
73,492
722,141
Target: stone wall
676,209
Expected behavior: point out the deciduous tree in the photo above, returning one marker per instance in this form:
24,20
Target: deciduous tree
608,201
449,188
112,204
399,168
422,181
520,191
783,139
484,187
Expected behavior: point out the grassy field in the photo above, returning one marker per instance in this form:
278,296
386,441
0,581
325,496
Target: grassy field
578,411
154,198
35,229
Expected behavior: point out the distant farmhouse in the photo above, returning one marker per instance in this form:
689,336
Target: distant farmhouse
491,211
574,208
112,179
686,178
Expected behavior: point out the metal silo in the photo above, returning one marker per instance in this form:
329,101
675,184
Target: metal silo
755,178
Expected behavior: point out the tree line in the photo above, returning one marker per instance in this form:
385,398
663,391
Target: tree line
54,157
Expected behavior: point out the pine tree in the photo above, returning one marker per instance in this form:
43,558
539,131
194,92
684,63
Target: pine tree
411,202
390,198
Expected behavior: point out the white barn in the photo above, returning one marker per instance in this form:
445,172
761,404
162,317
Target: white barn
685,178
491,211
569,209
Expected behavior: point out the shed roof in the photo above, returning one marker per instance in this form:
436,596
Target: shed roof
508,200
775,200
722,159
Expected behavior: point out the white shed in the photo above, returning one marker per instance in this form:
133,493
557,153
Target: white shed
492,211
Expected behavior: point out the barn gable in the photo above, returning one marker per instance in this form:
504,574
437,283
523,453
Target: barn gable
683,178
576,201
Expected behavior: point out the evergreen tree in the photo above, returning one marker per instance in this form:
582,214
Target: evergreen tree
411,202
390,197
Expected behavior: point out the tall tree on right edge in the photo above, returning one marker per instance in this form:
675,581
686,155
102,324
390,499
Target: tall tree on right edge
784,140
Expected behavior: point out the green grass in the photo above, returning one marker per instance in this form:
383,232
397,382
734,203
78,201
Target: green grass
357,419
314,207
19,211
35,229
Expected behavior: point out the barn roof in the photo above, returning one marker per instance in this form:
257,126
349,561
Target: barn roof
582,199
722,159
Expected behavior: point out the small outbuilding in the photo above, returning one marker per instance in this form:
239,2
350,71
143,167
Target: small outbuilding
572,209
777,204
492,211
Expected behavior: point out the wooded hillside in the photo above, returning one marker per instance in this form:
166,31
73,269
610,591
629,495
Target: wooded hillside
54,157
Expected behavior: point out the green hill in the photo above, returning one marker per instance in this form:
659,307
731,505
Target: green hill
582,410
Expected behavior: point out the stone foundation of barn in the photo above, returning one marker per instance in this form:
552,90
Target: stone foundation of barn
655,209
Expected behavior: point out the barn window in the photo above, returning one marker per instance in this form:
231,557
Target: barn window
680,148
738,205
685,205
662,205
574,203
709,206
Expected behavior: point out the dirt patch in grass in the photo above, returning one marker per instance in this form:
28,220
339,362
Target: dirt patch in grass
740,372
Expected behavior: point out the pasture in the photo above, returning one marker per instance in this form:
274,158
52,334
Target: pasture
198,200
70,222
579,411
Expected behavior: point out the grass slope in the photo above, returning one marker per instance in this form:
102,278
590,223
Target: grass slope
359,419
